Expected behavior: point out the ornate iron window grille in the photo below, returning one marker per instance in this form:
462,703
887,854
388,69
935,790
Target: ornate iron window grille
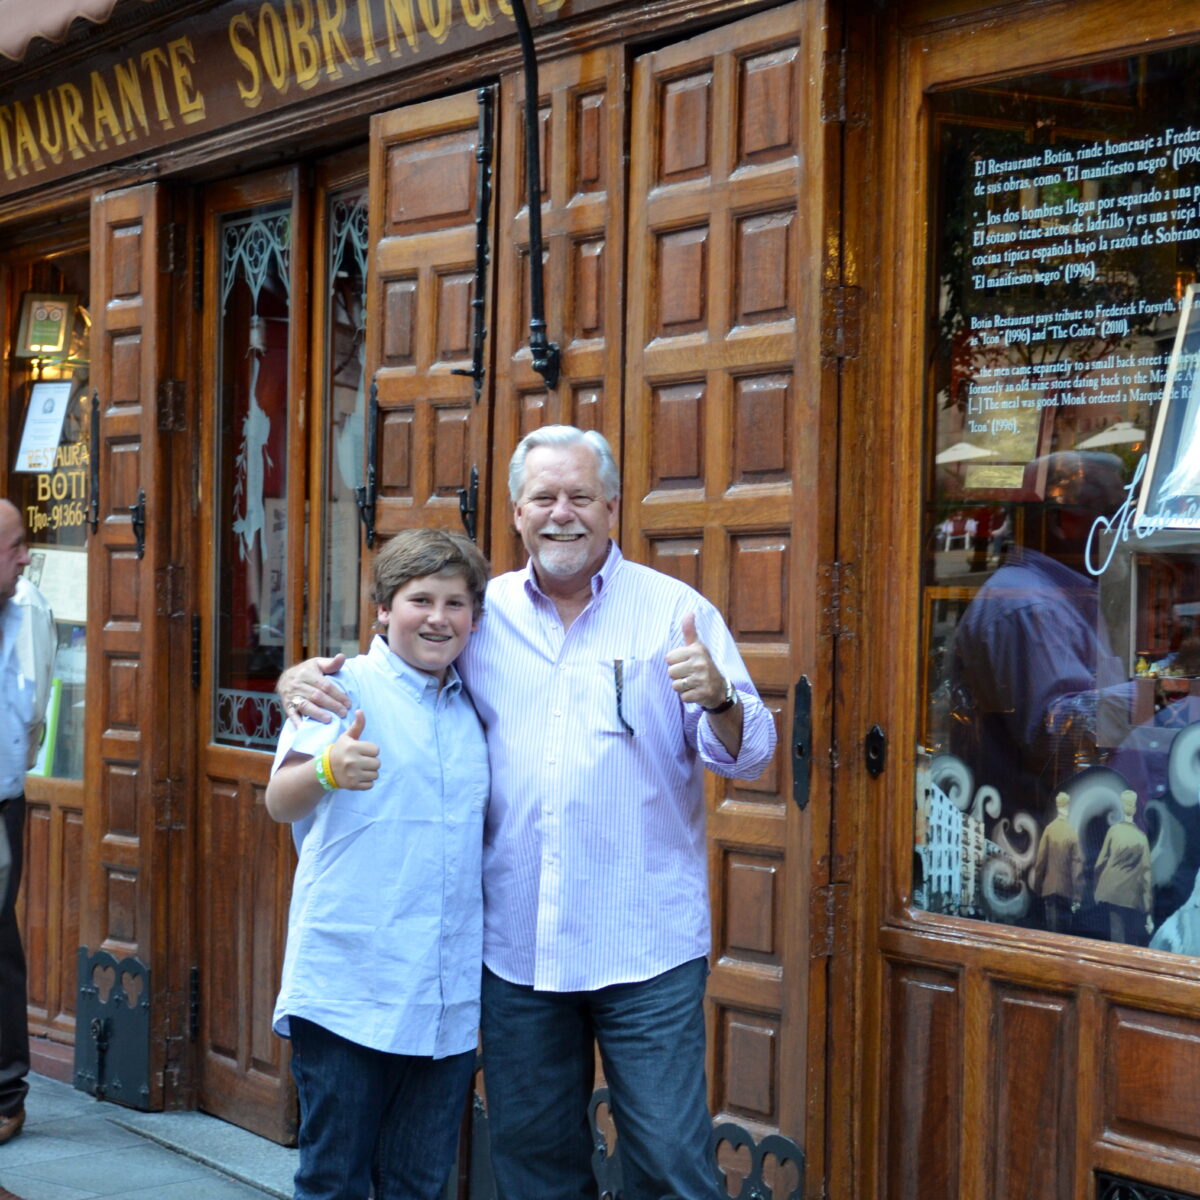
1114,1187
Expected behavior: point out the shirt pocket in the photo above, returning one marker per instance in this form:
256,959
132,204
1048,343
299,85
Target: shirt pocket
621,695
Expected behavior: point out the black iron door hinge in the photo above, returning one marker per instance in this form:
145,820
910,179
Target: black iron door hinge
195,651
836,590
166,796
168,591
829,920
841,322
173,248
193,1003
172,401
841,89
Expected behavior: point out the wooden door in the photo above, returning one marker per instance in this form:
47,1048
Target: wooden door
724,474
138,715
431,432
582,142
1017,1052
253,384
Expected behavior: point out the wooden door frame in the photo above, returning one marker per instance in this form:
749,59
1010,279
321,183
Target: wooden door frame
51,894
330,175
270,1109
912,49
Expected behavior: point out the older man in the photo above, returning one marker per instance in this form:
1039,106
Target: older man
606,689
26,657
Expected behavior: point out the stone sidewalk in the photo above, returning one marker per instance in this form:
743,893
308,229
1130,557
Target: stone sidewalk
76,1148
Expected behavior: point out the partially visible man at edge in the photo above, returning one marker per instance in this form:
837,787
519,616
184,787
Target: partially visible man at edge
606,688
27,642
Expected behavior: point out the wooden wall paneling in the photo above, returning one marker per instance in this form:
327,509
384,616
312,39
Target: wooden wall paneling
1151,1079
1031,1116
582,126
48,910
420,285
126,830
249,864
721,482
923,1082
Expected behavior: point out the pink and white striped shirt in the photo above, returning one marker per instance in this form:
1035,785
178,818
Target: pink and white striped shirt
594,860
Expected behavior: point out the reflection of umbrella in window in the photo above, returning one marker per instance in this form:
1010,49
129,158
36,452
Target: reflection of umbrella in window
962,452
1123,433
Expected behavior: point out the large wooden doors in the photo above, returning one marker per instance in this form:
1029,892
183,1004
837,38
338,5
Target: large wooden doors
431,431
136,750
723,475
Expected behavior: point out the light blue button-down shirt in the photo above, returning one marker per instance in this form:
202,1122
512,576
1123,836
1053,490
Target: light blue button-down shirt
385,931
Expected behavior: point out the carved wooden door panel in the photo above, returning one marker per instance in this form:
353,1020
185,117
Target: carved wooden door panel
722,483
430,432
582,129
132,815
253,385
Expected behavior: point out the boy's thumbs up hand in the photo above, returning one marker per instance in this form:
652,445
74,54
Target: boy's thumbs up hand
355,763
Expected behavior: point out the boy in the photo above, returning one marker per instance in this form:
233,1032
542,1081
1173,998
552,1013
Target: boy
380,992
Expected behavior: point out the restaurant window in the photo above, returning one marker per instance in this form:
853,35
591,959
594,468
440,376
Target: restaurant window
1058,780
252,570
345,418
49,476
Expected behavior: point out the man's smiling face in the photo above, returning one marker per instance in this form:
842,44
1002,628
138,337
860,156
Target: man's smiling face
563,516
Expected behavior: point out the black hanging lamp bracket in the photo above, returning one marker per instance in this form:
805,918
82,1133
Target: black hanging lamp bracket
365,493
545,354
483,200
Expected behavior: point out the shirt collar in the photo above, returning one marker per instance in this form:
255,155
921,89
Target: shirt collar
418,682
600,580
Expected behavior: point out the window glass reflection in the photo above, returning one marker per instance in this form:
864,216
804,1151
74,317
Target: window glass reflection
1058,782
252,474
345,418
50,484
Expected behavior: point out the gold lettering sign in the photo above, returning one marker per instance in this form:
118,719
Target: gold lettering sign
236,60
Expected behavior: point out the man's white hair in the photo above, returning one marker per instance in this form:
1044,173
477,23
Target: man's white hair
565,435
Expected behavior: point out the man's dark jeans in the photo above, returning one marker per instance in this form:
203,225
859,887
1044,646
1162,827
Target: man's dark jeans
538,1068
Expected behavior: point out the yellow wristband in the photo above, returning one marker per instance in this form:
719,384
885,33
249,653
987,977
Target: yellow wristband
333,783
324,778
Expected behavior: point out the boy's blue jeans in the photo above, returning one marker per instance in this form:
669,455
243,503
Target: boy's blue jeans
367,1116
539,1068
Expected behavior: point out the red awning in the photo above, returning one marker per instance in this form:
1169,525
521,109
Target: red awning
21,21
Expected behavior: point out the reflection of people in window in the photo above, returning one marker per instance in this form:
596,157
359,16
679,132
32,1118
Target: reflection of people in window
1037,687
1123,877
33,572
1058,870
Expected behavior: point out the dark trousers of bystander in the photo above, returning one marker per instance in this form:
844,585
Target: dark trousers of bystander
14,1021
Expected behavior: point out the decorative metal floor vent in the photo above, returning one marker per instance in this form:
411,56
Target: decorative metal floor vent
112,1040
756,1166
1113,1187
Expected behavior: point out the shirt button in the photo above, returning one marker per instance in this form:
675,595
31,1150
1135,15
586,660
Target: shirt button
558,712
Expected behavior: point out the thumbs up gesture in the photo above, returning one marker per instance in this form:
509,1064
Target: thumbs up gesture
693,673
355,763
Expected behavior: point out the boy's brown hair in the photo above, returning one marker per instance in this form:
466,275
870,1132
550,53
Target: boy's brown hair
416,553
